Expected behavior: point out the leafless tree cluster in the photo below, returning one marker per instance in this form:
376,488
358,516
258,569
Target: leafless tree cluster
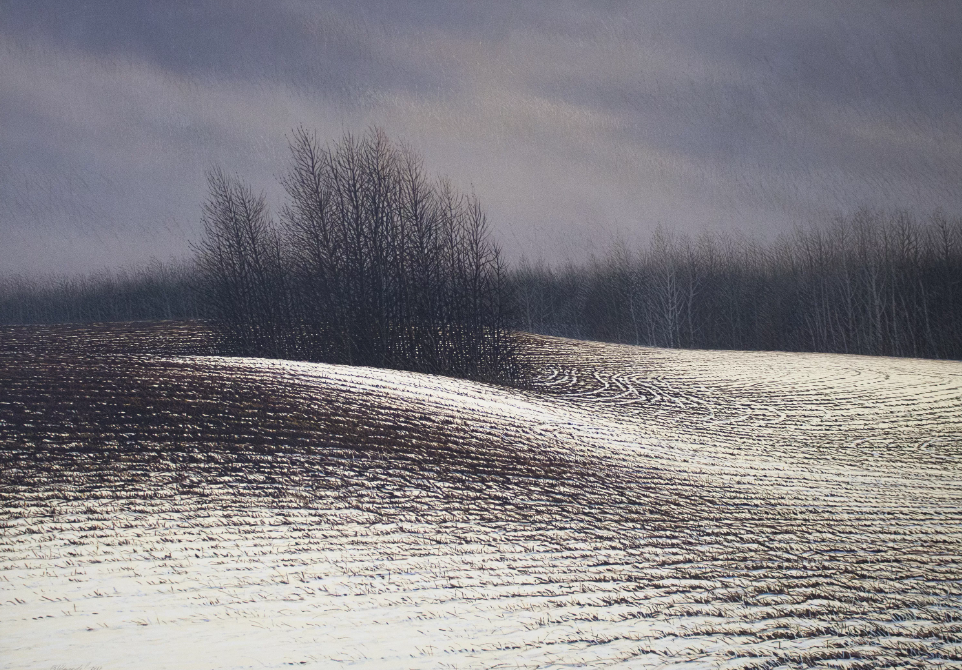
155,291
869,283
370,263
243,279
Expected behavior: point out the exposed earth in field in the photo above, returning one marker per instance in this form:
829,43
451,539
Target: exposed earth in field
162,508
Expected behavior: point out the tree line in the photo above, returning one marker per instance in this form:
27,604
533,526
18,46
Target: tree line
156,290
869,283
370,262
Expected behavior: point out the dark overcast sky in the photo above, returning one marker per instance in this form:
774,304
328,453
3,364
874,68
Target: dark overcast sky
572,121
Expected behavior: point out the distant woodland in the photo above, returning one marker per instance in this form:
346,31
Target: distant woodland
870,283
155,291
372,262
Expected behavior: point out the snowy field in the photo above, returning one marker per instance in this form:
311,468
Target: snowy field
638,508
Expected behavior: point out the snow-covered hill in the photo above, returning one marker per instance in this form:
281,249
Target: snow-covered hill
636,508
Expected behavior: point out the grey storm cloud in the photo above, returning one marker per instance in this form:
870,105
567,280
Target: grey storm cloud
573,122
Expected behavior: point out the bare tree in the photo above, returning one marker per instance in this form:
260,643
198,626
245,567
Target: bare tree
243,277
371,264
